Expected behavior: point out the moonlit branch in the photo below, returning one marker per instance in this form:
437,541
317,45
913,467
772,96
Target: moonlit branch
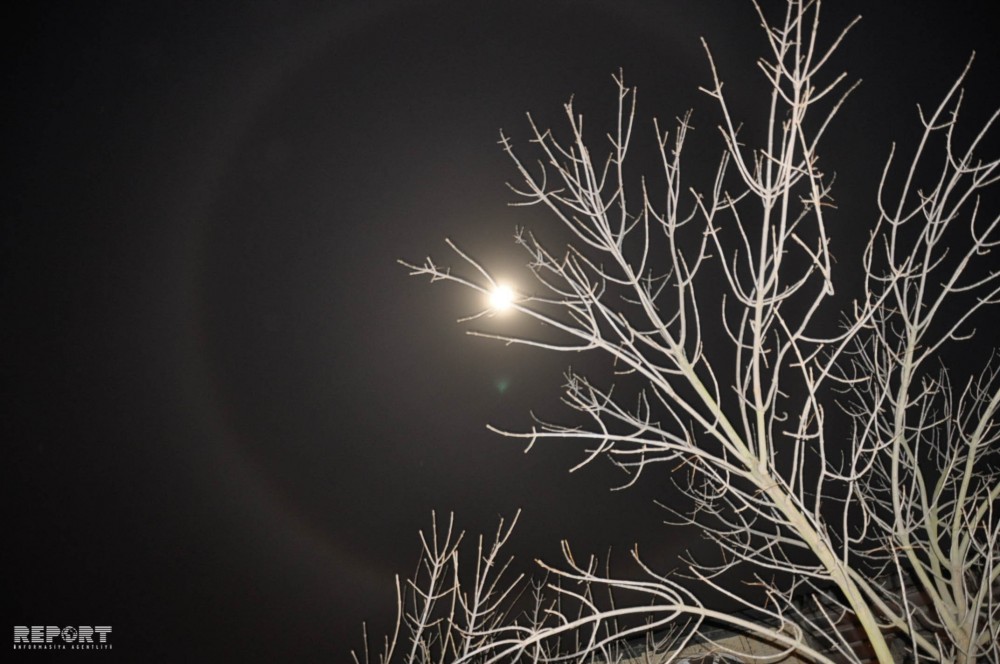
893,527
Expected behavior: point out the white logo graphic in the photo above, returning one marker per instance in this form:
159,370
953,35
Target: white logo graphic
50,637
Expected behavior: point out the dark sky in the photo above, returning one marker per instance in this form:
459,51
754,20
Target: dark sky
228,409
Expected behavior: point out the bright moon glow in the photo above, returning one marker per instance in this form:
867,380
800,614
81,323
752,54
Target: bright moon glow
501,298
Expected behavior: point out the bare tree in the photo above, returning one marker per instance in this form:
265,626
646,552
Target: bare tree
908,498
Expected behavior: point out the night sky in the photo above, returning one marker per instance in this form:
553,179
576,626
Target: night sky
228,409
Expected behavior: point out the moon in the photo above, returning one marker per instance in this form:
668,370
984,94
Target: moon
502,298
